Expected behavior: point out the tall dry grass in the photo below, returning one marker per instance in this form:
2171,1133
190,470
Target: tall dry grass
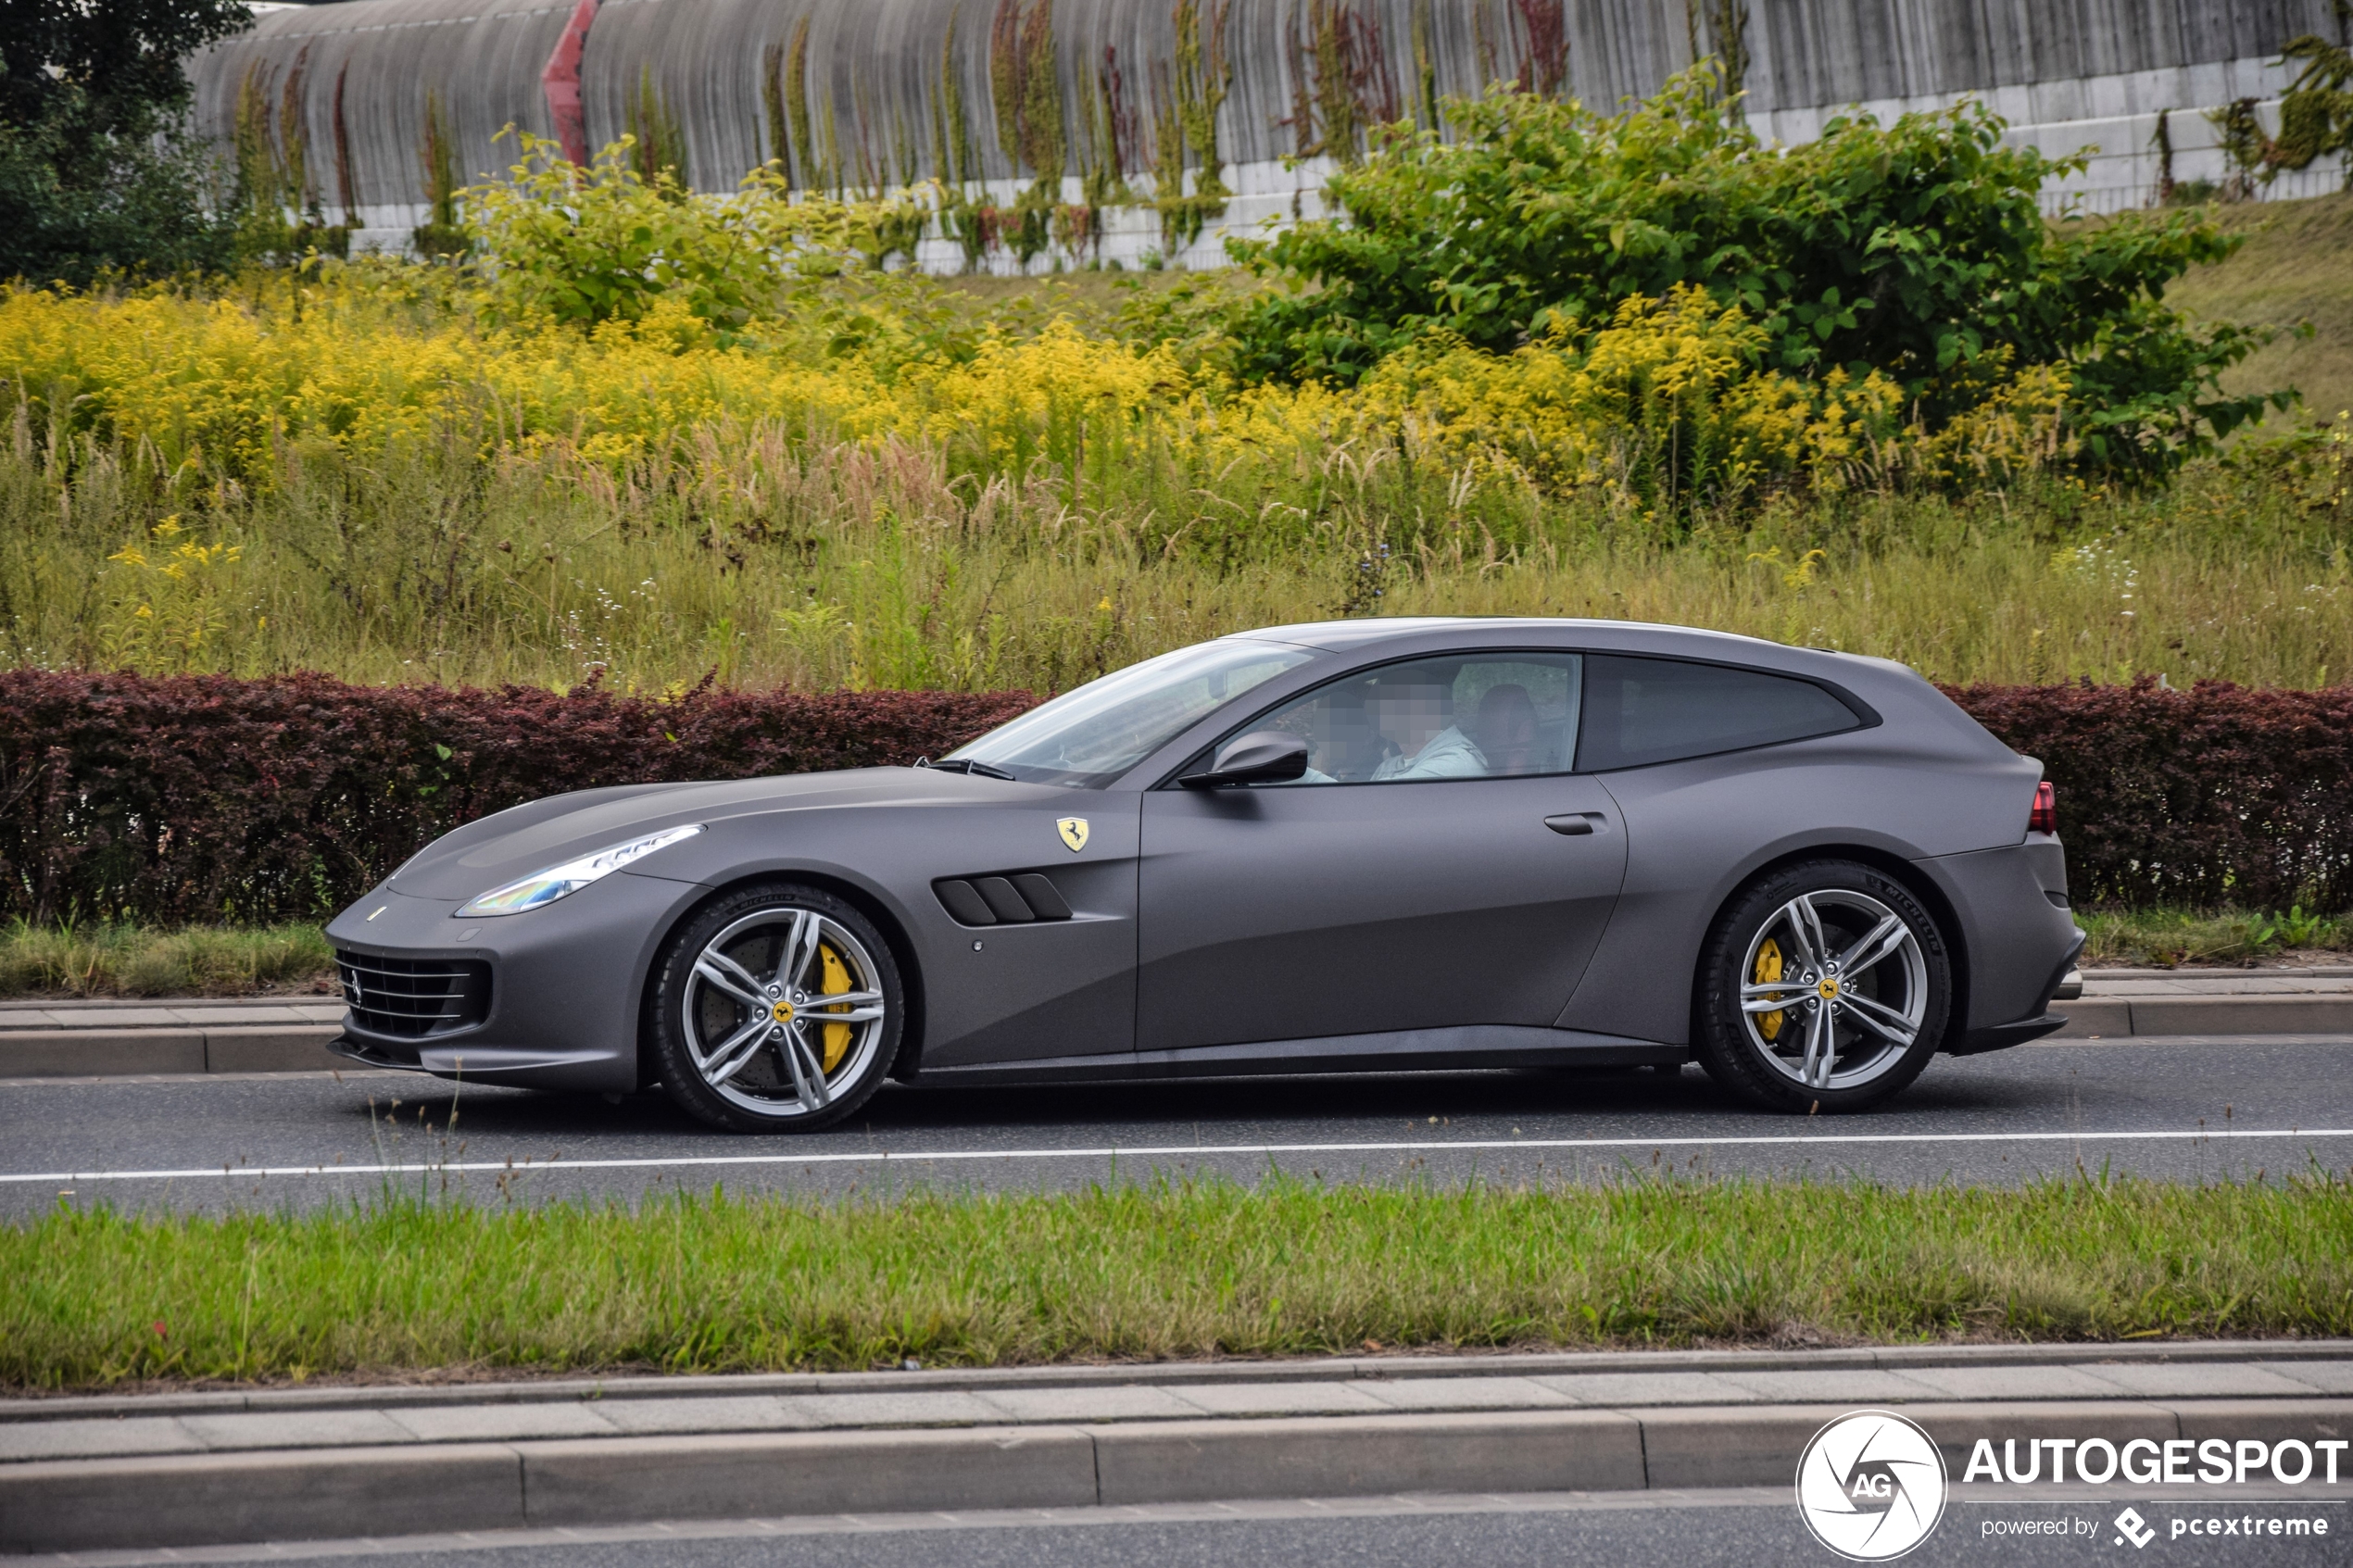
765,560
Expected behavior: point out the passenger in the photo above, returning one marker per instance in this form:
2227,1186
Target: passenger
1504,730
1415,711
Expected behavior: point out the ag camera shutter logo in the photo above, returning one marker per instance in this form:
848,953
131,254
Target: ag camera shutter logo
1870,1485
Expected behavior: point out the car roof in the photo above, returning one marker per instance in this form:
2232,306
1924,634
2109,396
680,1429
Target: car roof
1870,678
1337,636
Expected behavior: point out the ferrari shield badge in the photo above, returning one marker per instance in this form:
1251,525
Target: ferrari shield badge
1074,831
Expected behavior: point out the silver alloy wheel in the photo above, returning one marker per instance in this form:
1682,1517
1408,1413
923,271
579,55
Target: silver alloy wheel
757,1016
1842,1001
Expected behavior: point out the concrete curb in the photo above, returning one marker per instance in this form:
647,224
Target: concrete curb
2114,1017
180,1500
1315,1369
121,1053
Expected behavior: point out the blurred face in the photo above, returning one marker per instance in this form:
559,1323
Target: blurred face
1411,710
1346,744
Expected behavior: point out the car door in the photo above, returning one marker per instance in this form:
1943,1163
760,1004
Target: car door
1439,867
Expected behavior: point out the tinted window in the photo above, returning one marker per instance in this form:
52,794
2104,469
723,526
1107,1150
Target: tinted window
1476,716
1639,710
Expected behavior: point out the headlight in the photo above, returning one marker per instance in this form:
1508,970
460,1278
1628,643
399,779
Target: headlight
546,887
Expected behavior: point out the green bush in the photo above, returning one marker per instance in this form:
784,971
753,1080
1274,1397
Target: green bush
603,243
1915,249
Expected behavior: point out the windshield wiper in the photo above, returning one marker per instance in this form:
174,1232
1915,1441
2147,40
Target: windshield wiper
966,765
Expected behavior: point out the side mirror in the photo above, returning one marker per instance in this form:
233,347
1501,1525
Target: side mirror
1262,756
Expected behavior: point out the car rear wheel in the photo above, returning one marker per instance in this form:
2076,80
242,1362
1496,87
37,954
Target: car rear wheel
1825,987
776,1007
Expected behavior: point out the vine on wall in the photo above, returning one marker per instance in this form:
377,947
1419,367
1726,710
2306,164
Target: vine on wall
279,216
1025,83
440,233
1186,100
1719,28
661,141
772,105
1543,62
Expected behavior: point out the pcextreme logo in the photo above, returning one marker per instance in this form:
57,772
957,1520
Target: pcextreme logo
1870,1485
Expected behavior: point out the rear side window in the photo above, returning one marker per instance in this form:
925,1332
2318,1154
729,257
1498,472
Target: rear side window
1644,710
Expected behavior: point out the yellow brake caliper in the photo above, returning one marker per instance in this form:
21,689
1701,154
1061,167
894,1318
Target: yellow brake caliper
835,982
1768,969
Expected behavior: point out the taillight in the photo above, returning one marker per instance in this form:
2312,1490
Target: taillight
2044,817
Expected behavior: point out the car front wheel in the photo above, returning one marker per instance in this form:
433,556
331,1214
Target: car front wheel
1825,987
776,1008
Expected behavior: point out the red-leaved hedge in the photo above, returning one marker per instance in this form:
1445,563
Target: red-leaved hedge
2216,795
204,798
201,798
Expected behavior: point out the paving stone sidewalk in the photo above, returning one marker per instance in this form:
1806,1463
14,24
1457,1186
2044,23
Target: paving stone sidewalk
281,1465
637,1407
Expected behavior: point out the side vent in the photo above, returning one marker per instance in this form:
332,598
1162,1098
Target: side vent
960,902
1044,899
1018,899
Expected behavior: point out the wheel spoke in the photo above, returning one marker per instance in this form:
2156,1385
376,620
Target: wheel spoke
1881,1019
1806,929
1885,937
1781,1002
1820,1047
816,1013
808,1075
719,970
800,947
734,1052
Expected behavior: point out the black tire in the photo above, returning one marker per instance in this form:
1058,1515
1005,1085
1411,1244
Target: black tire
1775,1058
700,1020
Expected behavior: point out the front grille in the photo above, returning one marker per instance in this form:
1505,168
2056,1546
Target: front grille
412,998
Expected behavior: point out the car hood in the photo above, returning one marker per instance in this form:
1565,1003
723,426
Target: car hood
515,842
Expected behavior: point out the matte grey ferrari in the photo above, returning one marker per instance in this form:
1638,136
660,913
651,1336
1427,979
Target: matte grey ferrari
1360,845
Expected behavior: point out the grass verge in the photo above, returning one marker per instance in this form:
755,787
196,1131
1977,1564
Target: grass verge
695,1285
2174,938
131,960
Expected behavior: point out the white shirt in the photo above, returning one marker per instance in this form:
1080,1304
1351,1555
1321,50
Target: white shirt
1449,755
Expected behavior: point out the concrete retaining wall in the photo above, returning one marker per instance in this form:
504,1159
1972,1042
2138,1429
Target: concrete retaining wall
885,92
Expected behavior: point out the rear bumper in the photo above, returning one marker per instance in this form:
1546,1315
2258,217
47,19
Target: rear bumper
2017,940
2001,1036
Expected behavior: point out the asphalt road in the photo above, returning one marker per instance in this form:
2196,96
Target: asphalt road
2185,1109
1753,1528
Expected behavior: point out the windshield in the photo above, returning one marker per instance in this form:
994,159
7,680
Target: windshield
1089,737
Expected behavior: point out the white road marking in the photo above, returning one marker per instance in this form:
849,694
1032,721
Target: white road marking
1113,1151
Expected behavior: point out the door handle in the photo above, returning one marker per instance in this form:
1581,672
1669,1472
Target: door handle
1574,823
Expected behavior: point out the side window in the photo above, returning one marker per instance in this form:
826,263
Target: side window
1460,717
1643,710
